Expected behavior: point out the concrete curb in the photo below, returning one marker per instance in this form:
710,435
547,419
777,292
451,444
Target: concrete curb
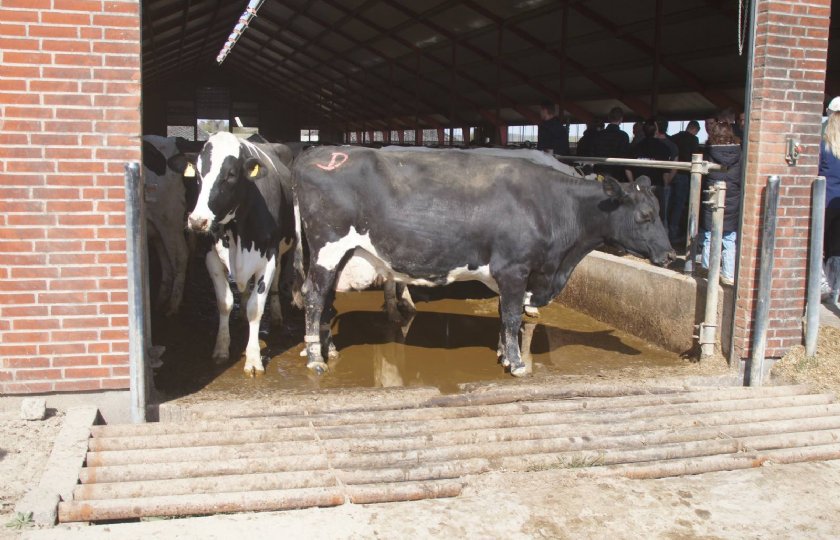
62,472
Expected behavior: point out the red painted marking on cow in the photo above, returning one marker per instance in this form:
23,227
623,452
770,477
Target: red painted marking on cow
338,159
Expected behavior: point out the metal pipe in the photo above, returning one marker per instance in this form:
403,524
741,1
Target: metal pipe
815,256
239,29
705,167
765,281
135,243
708,328
697,170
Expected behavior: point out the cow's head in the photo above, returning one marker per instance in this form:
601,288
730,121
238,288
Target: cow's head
224,172
634,222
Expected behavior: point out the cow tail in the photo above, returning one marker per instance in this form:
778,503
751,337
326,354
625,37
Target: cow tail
297,285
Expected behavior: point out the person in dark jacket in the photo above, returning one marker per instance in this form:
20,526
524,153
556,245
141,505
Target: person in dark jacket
552,135
586,143
612,142
724,148
687,144
830,168
652,148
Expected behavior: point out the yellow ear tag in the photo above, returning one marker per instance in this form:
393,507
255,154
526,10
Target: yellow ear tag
255,171
189,172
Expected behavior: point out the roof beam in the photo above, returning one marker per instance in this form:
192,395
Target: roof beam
634,104
719,99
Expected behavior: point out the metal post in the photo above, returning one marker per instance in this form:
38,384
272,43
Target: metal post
697,169
135,243
708,328
765,280
812,309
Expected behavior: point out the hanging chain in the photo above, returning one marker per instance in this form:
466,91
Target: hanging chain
742,27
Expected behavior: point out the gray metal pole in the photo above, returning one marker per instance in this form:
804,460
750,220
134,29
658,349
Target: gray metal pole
708,328
697,170
135,238
815,256
765,281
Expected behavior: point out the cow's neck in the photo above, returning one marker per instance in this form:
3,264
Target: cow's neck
593,227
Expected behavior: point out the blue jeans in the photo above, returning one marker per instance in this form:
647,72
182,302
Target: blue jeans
679,198
727,257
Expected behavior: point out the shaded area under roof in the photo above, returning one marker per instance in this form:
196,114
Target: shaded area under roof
372,64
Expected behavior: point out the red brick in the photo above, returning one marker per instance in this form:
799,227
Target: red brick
72,19
31,362
68,100
13,85
12,57
109,47
18,350
73,309
27,387
81,385
73,361
77,73
61,348
114,359
22,72
18,44
115,384
19,16
24,311
54,86
36,324
70,59
49,31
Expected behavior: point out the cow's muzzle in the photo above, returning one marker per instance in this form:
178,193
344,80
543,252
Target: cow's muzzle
199,224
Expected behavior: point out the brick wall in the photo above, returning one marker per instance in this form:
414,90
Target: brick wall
69,121
787,99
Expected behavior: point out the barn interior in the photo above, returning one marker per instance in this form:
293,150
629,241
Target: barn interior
381,67
388,70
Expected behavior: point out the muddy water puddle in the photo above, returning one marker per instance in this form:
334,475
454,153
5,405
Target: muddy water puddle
448,342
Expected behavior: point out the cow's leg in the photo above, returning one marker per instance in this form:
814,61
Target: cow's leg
274,307
319,283
165,287
254,309
404,301
512,291
390,290
525,348
175,246
224,301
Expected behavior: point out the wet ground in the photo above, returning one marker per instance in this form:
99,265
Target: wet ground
448,343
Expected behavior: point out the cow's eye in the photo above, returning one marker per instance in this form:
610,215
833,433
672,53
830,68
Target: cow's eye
645,216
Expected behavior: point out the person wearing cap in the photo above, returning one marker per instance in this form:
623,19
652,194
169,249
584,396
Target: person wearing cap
833,106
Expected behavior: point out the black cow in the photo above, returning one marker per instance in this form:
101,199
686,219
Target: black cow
437,217
245,201
170,194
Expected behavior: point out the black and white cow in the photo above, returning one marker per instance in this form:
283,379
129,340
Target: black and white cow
245,201
437,217
169,196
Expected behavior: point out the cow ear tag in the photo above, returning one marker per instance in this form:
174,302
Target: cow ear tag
255,171
189,172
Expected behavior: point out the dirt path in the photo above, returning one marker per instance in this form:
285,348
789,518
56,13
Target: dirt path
785,501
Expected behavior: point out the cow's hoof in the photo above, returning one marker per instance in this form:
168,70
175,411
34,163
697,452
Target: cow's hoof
504,361
531,311
521,370
253,371
220,359
332,354
318,367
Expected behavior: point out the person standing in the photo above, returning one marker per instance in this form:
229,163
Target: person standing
651,147
586,142
612,142
687,145
830,168
552,135
723,148
833,106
